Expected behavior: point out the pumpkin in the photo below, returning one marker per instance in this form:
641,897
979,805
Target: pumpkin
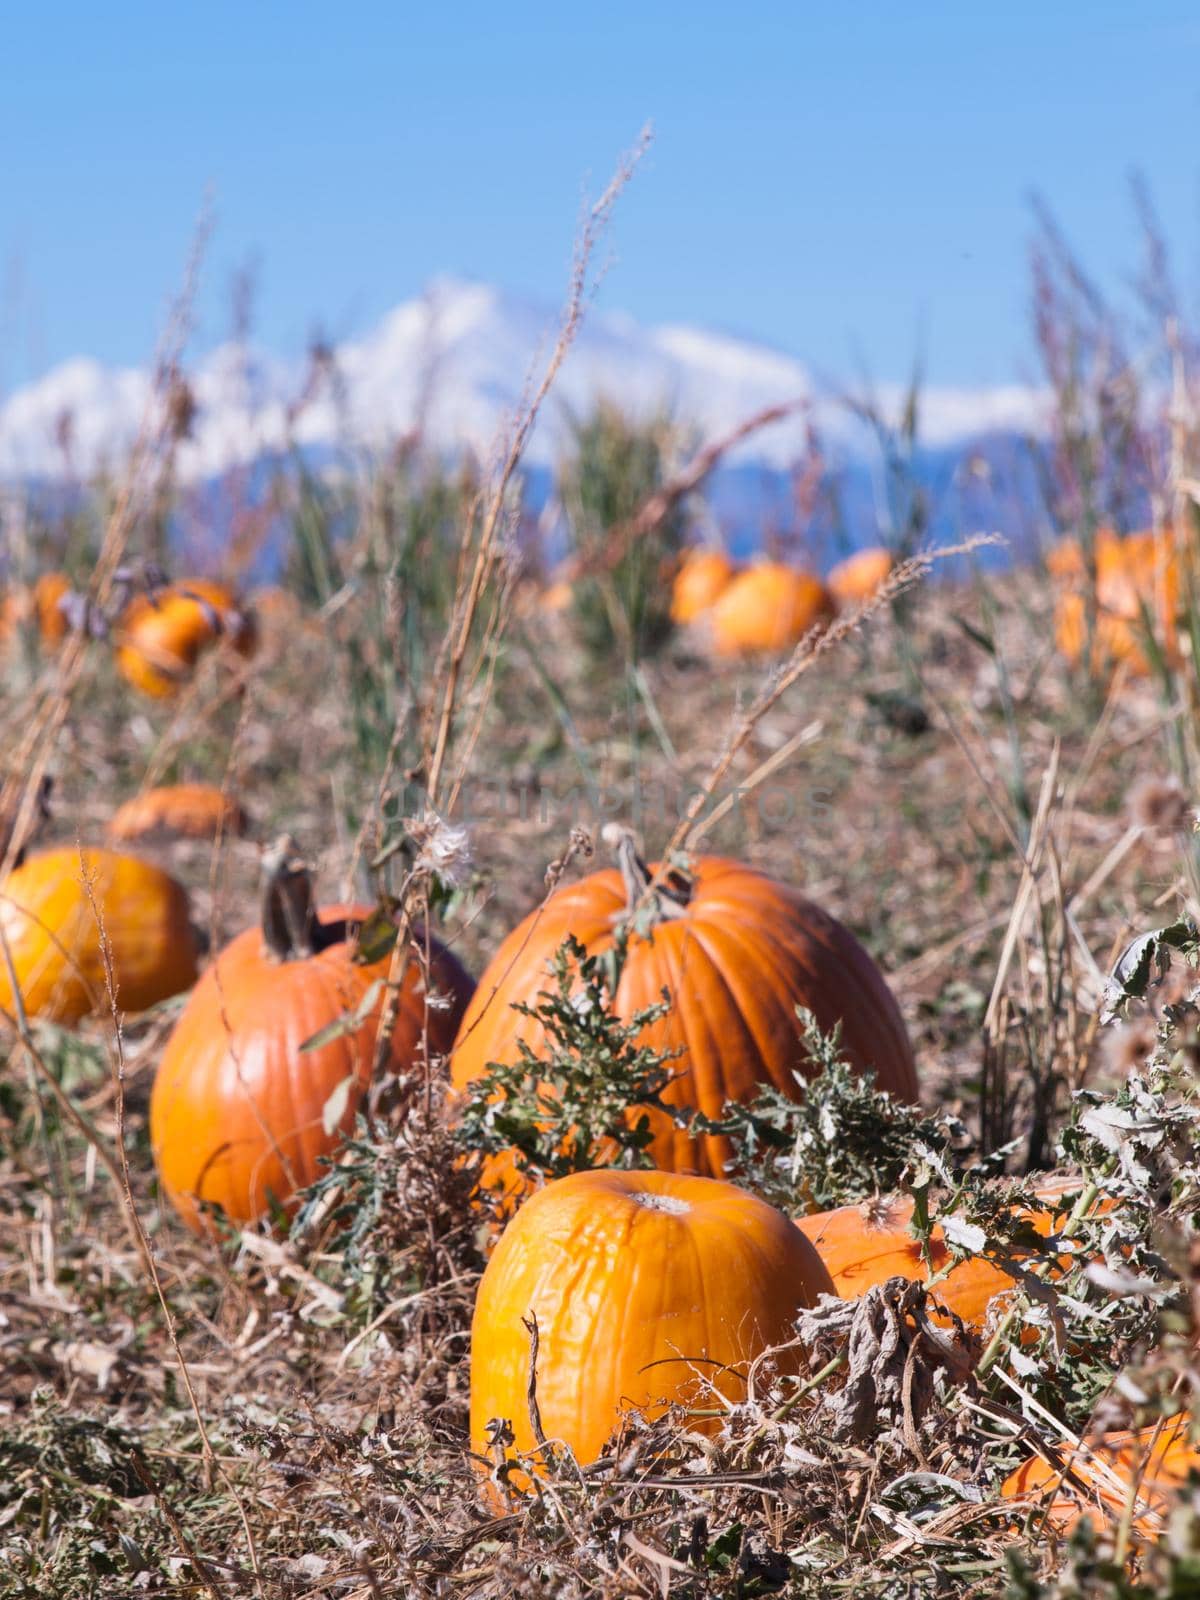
191,810
865,1245
53,939
1067,562
162,636
49,593
1159,1458
648,1288
703,575
240,1116
736,953
41,607
1135,576
556,597
856,579
767,609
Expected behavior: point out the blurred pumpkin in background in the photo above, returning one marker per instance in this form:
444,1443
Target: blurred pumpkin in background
42,607
49,594
1136,588
52,933
556,596
859,576
703,575
161,636
187,810
767,610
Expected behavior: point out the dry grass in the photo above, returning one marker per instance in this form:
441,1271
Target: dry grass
287,1417
335,1459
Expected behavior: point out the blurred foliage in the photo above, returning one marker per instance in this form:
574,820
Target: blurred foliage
613,464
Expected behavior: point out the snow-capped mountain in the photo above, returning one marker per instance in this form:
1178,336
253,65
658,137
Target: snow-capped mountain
459,361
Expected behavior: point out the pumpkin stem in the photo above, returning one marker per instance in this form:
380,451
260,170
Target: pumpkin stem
671,894
289,921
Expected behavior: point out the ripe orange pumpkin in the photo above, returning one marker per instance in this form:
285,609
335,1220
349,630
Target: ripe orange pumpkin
191,810
768,609
49,592
736,953
858,577
238,1111
50,928
647,1288
865,1245
39,606
1159,1458
1134,576
161,637
703,576
556,597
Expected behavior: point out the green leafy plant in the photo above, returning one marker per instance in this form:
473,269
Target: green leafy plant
843,1141
613,467
574,1103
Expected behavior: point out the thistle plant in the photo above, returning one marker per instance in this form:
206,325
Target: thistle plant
581,1098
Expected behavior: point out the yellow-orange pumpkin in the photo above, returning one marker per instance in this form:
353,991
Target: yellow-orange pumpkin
703,576
858,577
865,1245
647,1288
736,954
767,609
49,592
238,1112
161,637
190,810
1136,577
40,606
1159,1458
556,597
51,930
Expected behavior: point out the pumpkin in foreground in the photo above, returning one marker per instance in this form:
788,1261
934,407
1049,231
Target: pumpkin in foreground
648,1289
736,953
703,576
240,1116
767,610
161,637
1158,1458
52,932
187,810
865,1245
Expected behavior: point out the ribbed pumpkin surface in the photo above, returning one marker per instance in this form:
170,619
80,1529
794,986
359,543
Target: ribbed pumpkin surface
644,1286
744,953
236,1115
53,936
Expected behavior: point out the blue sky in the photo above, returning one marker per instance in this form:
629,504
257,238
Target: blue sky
839,179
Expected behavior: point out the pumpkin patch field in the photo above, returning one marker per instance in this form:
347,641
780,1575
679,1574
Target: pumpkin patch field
591,1059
